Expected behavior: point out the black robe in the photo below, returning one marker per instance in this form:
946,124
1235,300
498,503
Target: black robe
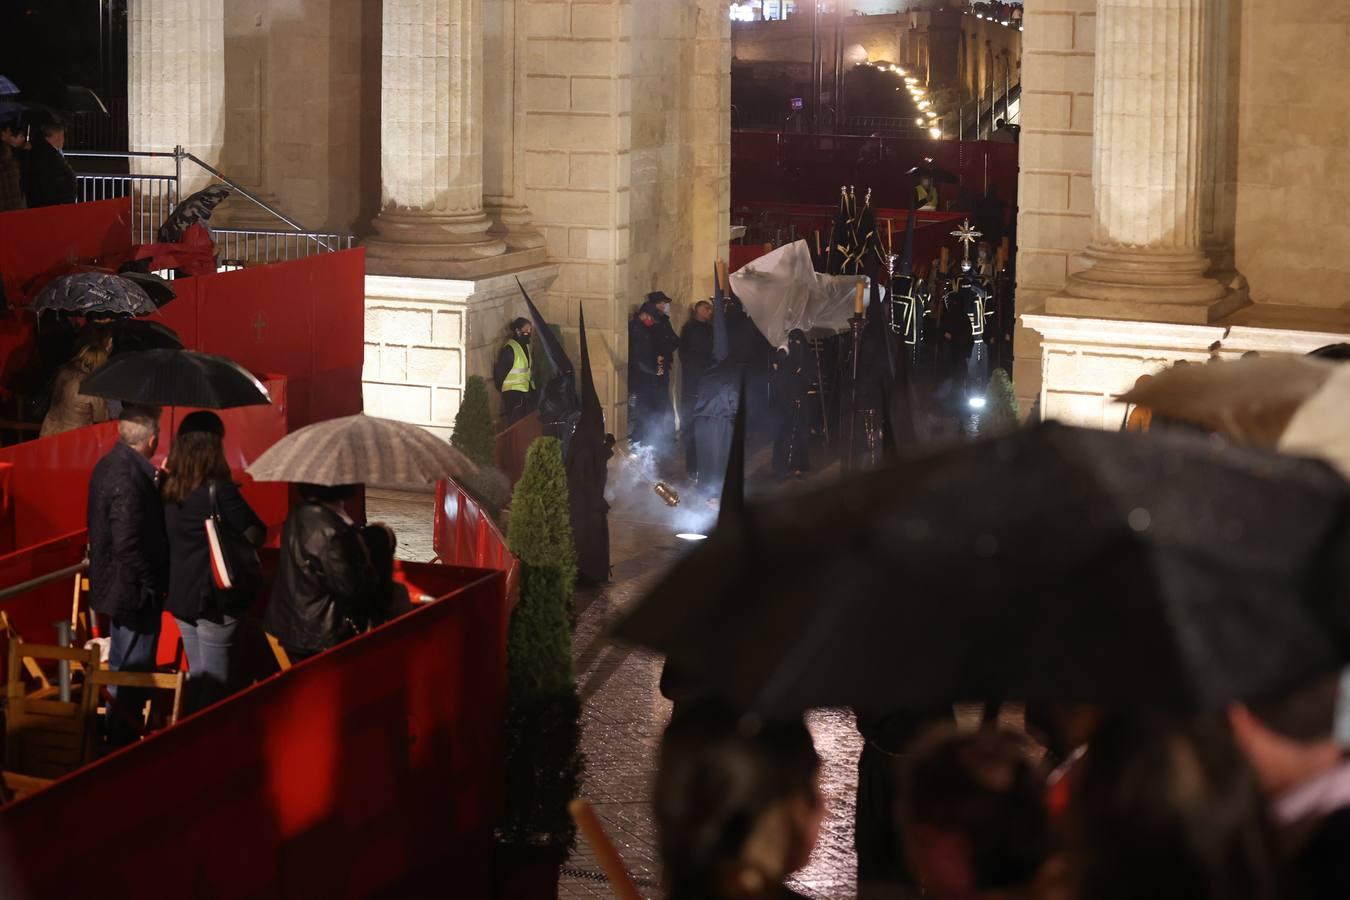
792,379
714,420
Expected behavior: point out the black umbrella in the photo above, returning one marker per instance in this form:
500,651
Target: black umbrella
196,208
132,335
1048,564
933,171
176,378
80,99
158,289
90,293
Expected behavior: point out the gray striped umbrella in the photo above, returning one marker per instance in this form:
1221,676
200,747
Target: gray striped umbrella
361,449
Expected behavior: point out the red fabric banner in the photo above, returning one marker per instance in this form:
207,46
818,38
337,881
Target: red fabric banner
37,242
303,319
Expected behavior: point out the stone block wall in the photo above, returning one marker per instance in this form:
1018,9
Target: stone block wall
1055,186
626,161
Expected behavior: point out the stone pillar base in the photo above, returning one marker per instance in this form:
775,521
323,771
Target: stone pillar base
1086,363
512,223
1146,284
425,336
433,245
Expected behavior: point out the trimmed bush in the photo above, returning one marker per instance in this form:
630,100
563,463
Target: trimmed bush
543,728
540,533
474,435
491,488
1000,406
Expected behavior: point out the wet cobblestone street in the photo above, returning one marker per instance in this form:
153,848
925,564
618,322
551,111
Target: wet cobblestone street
624,712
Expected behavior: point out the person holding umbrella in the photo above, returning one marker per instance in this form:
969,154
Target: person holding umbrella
327,589
198,487
128,555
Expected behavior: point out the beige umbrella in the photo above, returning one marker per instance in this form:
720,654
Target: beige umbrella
361,449
1294,404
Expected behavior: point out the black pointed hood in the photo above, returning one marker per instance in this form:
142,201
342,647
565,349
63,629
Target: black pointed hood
592,413
721,340
732,507
553,347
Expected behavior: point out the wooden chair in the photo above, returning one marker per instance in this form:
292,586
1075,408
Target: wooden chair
278,651
44,737
30,666
100,678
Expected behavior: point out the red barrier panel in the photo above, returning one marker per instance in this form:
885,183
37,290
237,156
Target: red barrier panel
807,168
370,770
35,241
33,612
462,534
51,481
303,319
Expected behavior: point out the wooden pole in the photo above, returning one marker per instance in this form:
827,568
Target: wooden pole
605,853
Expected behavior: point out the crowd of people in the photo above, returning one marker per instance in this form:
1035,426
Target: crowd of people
1249,804
158,539
33,167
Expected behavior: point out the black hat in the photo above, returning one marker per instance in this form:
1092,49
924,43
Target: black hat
202,421
657,297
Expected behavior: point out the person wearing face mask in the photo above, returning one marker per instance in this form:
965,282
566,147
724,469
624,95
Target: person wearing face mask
652,344
513,373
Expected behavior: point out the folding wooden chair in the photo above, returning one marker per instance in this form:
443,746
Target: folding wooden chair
46,738
278,651
30,666
100,678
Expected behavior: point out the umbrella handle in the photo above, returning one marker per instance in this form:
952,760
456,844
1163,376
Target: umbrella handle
605,853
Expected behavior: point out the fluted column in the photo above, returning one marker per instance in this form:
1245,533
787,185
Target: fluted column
1152,100
504,123
176,82
431,156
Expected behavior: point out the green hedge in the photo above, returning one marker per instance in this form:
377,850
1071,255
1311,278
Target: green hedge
540,532
474,435
1000,406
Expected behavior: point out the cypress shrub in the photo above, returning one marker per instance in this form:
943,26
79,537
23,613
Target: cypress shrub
540,531
474,435
544,763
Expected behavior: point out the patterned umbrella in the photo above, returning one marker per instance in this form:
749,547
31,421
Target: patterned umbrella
194,209
94,292
361,449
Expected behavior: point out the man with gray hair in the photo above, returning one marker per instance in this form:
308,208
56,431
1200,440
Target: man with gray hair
128,556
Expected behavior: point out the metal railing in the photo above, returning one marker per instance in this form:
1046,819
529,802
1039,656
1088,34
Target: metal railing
153,197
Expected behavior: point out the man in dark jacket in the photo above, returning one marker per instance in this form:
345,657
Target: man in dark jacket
1291,744
513,373
48,178
128,554
696,355
652,344
327,588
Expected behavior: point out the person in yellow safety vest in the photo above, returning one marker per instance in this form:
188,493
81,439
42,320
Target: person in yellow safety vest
925,193
512,373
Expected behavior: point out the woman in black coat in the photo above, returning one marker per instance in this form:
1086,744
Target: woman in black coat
207,618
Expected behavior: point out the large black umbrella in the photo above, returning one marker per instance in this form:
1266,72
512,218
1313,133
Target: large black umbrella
196,208
90,293
158,289
132,335
1049,564
175,378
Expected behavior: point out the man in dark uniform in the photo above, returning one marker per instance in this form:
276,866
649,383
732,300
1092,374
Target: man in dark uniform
48,178
512,373
651,350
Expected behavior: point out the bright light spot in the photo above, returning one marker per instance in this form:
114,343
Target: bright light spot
923,104
1020,28
932,115
935,133
975,402
691,536
1005,24
911,80
979,15
918,122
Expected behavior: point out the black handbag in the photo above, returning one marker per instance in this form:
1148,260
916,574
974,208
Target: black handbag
236,571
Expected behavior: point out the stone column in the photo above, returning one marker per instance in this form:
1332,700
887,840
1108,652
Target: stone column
504,123
176,82
431,159
1151,107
